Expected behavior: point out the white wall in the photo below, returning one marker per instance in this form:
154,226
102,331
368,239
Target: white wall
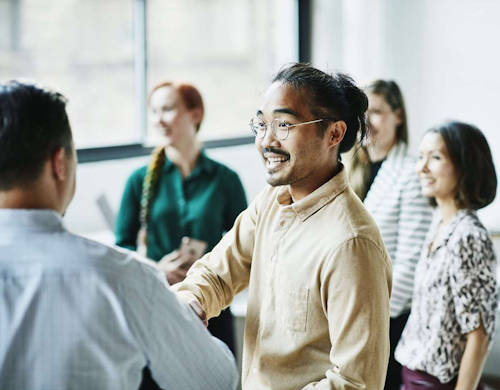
443,53
83,215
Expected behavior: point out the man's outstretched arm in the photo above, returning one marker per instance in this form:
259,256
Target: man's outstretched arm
180,352
218,276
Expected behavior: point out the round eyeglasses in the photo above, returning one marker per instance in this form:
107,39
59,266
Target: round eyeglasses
279,127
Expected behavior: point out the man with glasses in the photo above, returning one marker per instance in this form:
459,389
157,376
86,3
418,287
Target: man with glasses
318,274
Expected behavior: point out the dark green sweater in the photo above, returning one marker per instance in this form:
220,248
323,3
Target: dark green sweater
203,205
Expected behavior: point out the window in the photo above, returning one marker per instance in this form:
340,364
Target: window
228,49
91,52
84,49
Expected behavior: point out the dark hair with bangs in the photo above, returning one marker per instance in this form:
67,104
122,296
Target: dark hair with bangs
331,97
33,125
471,156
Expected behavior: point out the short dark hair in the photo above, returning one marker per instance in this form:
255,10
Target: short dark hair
33,125
391,93
330,96
471,156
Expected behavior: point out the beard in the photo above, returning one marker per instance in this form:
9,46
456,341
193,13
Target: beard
276,181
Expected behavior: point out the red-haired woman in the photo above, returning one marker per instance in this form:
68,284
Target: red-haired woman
181,193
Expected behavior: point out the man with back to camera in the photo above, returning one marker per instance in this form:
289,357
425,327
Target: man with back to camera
72,312
318,274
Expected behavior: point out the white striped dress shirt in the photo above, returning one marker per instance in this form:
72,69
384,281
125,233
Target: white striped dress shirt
76,314
403,216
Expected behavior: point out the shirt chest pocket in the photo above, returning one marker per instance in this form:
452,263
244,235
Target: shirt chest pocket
294,309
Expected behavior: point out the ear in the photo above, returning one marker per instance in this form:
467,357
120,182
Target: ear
197,115
59,165
335,133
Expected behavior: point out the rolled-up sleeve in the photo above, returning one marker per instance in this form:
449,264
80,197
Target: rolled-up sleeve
473,283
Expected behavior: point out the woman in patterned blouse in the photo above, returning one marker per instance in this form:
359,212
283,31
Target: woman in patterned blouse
451,325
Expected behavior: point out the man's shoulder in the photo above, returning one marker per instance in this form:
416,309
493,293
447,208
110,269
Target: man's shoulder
105,258
352,220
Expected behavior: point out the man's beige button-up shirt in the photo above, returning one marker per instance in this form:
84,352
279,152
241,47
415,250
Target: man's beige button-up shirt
319,282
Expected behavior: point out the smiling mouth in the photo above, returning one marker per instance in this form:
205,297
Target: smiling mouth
275,162
427,182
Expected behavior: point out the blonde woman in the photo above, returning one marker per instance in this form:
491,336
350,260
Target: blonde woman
382,174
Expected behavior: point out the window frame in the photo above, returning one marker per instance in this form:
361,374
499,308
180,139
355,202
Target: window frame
114,152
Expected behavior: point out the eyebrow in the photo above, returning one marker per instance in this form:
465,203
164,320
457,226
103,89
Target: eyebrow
280,111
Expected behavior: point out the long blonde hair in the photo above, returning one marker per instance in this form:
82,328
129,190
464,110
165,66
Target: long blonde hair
358,169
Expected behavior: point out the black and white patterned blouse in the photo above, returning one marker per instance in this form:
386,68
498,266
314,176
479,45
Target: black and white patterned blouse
455,290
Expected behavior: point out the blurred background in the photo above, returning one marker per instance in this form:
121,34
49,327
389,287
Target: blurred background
104,55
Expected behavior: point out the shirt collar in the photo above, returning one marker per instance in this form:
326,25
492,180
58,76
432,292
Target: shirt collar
30,220
450,229
317,199
203,165
397,153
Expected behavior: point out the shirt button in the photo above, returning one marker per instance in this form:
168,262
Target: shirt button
282,223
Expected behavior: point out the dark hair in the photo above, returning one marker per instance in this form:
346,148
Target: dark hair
471,156
189,94
33,125
394,98
334,96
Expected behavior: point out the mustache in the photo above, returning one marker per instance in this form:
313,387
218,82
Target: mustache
275,151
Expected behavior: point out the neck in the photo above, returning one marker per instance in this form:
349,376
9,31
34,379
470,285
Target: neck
299,191
26,199
447,208
42,193
378,153
184,156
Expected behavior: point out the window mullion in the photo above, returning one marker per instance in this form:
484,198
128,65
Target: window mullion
140,68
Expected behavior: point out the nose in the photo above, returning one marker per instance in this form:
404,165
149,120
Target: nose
422,165
269,138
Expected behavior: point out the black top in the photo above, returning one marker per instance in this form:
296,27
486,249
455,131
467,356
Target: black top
374,167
